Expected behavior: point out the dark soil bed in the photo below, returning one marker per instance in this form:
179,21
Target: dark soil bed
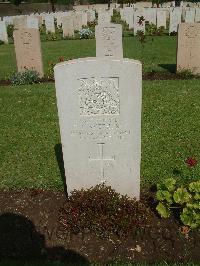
145,76
30,229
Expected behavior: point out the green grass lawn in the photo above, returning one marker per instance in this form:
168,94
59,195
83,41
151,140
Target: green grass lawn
158,54
30,138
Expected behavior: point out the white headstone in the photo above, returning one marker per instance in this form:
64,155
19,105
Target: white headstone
175,19
77,21
188,52
150,15
68,26
49,23
139,22
104,17
3,32
32,23
128,16
189,15
91,15
99,107
109,40
8,20
84,18
197,15
161,18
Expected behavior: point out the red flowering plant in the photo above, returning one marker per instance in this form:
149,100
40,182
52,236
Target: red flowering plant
103,211
191,162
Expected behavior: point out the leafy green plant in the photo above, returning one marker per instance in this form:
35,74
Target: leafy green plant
10,29
1,42
42,29
85,33
25,77
186,199
51,36
116,18
103,211
173,33
152,30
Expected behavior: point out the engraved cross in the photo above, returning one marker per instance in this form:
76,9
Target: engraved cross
101,158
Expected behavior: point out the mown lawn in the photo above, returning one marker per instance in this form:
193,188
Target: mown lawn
30,142
158,54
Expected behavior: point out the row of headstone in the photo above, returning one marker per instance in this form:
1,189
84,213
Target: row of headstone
158,16
99,105
69,21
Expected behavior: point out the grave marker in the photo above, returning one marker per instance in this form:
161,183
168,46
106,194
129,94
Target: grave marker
99,107
188,53
28,50
3,32
109,40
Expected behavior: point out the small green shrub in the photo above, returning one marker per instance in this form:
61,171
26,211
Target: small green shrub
10,29
51,36
42,29
1,42
104,212
185,199
173,33
25,77
85,33
152,30
116,18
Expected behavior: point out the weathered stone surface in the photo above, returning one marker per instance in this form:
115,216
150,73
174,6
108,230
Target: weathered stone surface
190,15
188,53
175,19
197,15
128,13
20,22
161,18
68,26
104,17
109,40
49,23
28,50
99,107
3,32
32,23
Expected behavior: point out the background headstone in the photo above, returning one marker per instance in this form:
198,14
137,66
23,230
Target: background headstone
109,40
128,13
32,23
161,18
188,53
91,15
190,15
20,22
175,19
28,50
49,23
99,107
77,18
104,17
138,24
3,32
68,26
197,15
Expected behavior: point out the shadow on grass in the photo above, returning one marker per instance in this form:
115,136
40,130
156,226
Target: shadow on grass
59,157
21,243
170,67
